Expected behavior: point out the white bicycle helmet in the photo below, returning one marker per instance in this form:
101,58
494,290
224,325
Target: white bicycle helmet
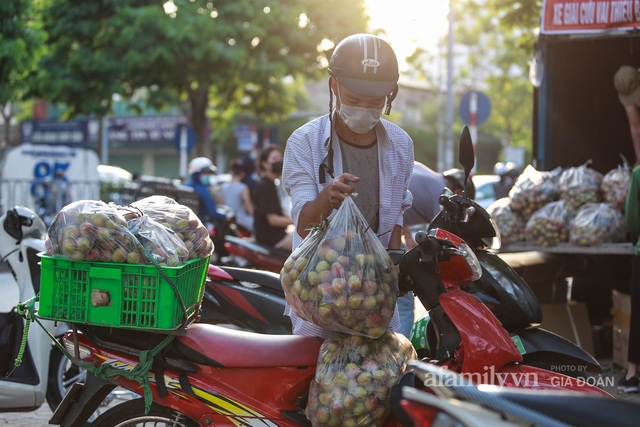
201,164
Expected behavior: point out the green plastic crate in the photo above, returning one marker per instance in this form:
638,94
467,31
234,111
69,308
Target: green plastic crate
124,295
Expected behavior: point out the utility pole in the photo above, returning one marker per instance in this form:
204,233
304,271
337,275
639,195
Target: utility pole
449,162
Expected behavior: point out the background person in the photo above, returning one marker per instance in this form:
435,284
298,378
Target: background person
236,195
627,83
270,222
508,173
629,381
200,170
59,193
352,149
426,186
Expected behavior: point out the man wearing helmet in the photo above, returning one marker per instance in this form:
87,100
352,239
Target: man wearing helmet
454,179
351,150
508,172
200,169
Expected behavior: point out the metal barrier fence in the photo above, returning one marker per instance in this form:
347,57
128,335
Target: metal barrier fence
40,195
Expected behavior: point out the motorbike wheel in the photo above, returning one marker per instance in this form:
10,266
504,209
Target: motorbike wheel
62,374
131,413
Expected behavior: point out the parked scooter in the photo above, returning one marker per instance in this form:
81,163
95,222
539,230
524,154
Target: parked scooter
501,289
218,232
463,334
247,253
45,372
428,395
42,370
245,298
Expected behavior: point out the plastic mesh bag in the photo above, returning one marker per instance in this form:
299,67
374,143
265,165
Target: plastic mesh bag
533,190
597,223
340,277
615,186
510,224
354,377
181,220
548,226
92,230
580,185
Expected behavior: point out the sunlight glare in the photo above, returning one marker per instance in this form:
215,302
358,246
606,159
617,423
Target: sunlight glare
410,23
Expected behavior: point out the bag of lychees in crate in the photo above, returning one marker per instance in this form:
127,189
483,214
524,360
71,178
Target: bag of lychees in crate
341,277
181,220
92,230
354,377
161,243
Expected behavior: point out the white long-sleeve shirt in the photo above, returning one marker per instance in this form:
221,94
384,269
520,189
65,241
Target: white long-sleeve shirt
305,151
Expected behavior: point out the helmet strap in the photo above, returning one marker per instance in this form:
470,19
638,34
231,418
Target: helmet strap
326,167
390,99
330,98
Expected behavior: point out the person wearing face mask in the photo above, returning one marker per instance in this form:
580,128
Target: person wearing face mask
270,222
200,169
350,151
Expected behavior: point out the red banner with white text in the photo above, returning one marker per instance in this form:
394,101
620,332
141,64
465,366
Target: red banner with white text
589,16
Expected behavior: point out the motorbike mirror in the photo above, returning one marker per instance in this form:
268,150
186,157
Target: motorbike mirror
466,155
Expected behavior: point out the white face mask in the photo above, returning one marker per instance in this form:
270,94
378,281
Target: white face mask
359,119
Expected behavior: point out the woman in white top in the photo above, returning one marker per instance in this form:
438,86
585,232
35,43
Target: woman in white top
236,195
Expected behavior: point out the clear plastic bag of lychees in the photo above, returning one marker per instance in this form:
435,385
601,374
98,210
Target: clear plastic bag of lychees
341,277
354,377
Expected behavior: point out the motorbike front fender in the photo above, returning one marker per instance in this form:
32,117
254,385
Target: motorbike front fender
551,351
81,401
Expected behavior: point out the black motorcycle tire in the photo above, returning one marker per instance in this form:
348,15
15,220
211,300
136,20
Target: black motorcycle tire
62,374
131,413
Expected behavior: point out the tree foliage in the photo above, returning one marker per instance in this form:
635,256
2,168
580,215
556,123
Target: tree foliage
215,58
21,41
497,39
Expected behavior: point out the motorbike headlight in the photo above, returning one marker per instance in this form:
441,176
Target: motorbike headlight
471,260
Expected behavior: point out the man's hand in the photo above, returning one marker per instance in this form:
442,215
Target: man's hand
340,188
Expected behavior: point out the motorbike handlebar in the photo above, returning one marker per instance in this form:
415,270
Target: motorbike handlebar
428,245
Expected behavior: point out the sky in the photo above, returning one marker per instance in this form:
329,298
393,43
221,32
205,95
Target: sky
410,23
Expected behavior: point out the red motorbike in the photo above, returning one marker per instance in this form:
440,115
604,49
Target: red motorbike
217,376
246,252
463,334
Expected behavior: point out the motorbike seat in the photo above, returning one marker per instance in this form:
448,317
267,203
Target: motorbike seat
217,346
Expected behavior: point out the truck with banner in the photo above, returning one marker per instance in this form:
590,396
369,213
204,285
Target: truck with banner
577,114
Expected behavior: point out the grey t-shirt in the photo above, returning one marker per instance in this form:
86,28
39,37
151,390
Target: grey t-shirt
363,163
